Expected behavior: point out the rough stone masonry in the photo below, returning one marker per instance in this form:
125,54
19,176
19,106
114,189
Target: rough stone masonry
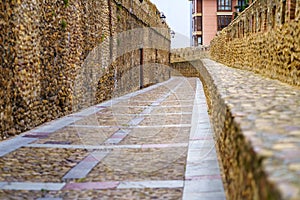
265,39
58,56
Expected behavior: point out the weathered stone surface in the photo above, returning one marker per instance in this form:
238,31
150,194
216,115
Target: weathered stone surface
259,152
61,56
61,166
264,39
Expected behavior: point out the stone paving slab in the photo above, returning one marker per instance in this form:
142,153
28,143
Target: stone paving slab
203,186
201,181
157,135
32,186
124,194
108,147
163,120
55,125
140,164
91,186
151,184
38,164
79,135
82,169
135,146
136,127
8,146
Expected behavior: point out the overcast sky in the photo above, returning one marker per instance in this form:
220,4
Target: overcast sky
178,18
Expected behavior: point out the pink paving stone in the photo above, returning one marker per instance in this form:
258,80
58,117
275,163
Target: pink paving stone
101,106
58,142
37,135
209,177
91,186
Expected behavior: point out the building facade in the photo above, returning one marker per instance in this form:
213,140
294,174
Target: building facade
211,16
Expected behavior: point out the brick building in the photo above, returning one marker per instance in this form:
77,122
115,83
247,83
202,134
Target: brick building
211,16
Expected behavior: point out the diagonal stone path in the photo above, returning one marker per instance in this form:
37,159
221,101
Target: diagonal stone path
155,143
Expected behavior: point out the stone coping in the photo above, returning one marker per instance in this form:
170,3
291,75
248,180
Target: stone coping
257,130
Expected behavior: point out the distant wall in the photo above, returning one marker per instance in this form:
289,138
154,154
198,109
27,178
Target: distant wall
189,54
59,56
182,58
265,38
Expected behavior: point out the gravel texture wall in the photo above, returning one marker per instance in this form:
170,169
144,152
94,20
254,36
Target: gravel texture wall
189,54
182,59
256,137
265,39
61,56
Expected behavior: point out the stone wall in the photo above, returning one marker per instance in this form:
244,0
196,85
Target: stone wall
184,69
182,59
244,175
265,38
59,56
189,54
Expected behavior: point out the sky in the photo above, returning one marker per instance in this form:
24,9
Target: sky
178,18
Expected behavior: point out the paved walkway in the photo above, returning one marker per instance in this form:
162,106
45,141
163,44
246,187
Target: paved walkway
152,144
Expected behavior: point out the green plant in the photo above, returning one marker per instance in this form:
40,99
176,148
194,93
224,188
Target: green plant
81,180
66,2
44,191
103,37
63,24
53,13
235,14
119,18
119,7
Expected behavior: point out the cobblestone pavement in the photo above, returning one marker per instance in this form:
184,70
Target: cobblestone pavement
155,143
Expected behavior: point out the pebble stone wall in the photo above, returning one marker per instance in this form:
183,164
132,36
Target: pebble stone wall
189,54
181,59
59,56
256,130
265,39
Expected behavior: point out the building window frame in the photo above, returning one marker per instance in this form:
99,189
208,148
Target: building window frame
224,5
198,40
199,6
197,23
223,21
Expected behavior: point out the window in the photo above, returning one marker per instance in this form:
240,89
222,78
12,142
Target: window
223,21
224,5
241,5
199,6
199,40
198,23
195,41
